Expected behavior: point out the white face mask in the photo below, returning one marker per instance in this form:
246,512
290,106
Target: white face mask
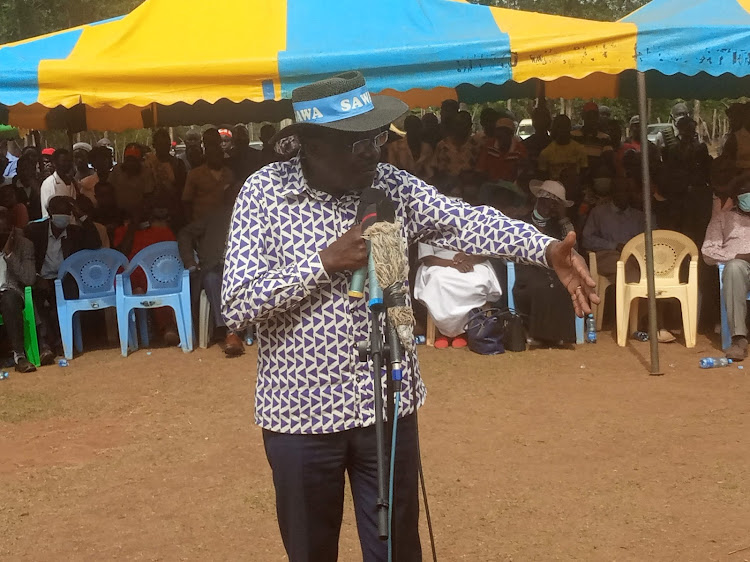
60,221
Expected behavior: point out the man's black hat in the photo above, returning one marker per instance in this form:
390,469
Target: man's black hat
342,103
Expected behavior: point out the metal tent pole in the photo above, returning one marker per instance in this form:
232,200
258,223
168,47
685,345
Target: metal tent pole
646,177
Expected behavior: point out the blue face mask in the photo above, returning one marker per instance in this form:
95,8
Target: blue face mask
60,221
539,219
743,200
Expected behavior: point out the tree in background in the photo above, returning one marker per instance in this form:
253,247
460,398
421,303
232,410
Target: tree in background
20,19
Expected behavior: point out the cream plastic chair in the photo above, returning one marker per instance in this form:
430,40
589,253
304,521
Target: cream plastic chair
670,250
602,283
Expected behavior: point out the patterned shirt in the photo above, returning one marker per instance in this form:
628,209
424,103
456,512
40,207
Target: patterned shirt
310,380
451,160
597,144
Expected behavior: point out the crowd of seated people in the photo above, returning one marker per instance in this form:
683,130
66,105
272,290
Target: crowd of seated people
584,178
57,202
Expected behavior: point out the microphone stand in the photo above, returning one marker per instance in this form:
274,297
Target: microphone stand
377,352
384,352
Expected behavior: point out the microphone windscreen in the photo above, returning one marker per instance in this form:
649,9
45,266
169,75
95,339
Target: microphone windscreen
386,210
368,198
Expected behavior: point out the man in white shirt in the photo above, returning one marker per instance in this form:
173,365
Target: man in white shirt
60,182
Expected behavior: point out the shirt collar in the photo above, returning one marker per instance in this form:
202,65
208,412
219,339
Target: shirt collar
619,211
59,180
294,183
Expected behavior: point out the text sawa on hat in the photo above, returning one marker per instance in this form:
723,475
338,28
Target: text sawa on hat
342,103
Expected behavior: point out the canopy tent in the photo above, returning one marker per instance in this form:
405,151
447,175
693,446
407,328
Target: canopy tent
422,51
697,49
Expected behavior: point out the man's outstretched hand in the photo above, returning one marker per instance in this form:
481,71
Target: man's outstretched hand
573,273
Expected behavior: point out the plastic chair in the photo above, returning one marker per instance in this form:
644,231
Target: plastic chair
602,284
726,336
94,272
168,285
30,341
670,250
512,301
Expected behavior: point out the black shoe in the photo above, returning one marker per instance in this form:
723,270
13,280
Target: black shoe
23,366
47,357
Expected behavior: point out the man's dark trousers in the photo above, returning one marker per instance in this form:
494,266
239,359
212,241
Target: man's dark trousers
11,308
308,474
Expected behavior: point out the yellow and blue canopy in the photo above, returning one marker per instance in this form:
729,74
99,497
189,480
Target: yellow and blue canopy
191,52
694,48
178,61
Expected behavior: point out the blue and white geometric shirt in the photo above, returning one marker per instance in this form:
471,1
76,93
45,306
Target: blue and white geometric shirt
310,379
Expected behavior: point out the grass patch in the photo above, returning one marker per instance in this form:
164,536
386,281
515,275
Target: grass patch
17,407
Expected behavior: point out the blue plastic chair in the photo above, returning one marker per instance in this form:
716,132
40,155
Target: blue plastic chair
512,301
168,285
94,272
726,336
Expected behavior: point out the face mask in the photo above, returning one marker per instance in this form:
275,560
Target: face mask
160,213
743,200
539,219
602,185
60,221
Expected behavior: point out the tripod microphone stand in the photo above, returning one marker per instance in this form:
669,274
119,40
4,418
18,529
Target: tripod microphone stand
384,350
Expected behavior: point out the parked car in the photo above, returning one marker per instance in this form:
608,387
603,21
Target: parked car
655,132
525,129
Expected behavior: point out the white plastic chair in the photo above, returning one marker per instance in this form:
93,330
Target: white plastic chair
670,250
602,284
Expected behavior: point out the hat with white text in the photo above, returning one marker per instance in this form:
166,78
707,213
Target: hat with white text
342,103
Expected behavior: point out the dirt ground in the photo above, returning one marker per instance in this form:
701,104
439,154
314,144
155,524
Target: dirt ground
543,455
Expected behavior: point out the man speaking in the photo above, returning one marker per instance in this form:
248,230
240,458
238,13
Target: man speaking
293,245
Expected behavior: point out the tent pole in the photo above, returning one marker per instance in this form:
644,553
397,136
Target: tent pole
646,180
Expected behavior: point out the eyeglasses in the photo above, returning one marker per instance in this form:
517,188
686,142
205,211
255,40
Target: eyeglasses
361,146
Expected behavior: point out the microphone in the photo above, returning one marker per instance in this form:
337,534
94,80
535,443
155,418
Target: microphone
388,254
366,216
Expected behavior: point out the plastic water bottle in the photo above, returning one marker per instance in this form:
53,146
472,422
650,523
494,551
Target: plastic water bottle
420,340
63,362
4,375
713,362
590,329
640,336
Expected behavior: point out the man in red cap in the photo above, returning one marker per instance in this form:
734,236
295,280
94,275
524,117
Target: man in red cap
598,145
131,180
503,154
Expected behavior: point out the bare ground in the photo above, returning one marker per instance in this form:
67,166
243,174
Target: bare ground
544,455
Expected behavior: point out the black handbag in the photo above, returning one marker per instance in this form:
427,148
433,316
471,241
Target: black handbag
484,331
514,334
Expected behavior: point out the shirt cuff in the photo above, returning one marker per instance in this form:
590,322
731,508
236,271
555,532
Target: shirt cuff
546,241
312,273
